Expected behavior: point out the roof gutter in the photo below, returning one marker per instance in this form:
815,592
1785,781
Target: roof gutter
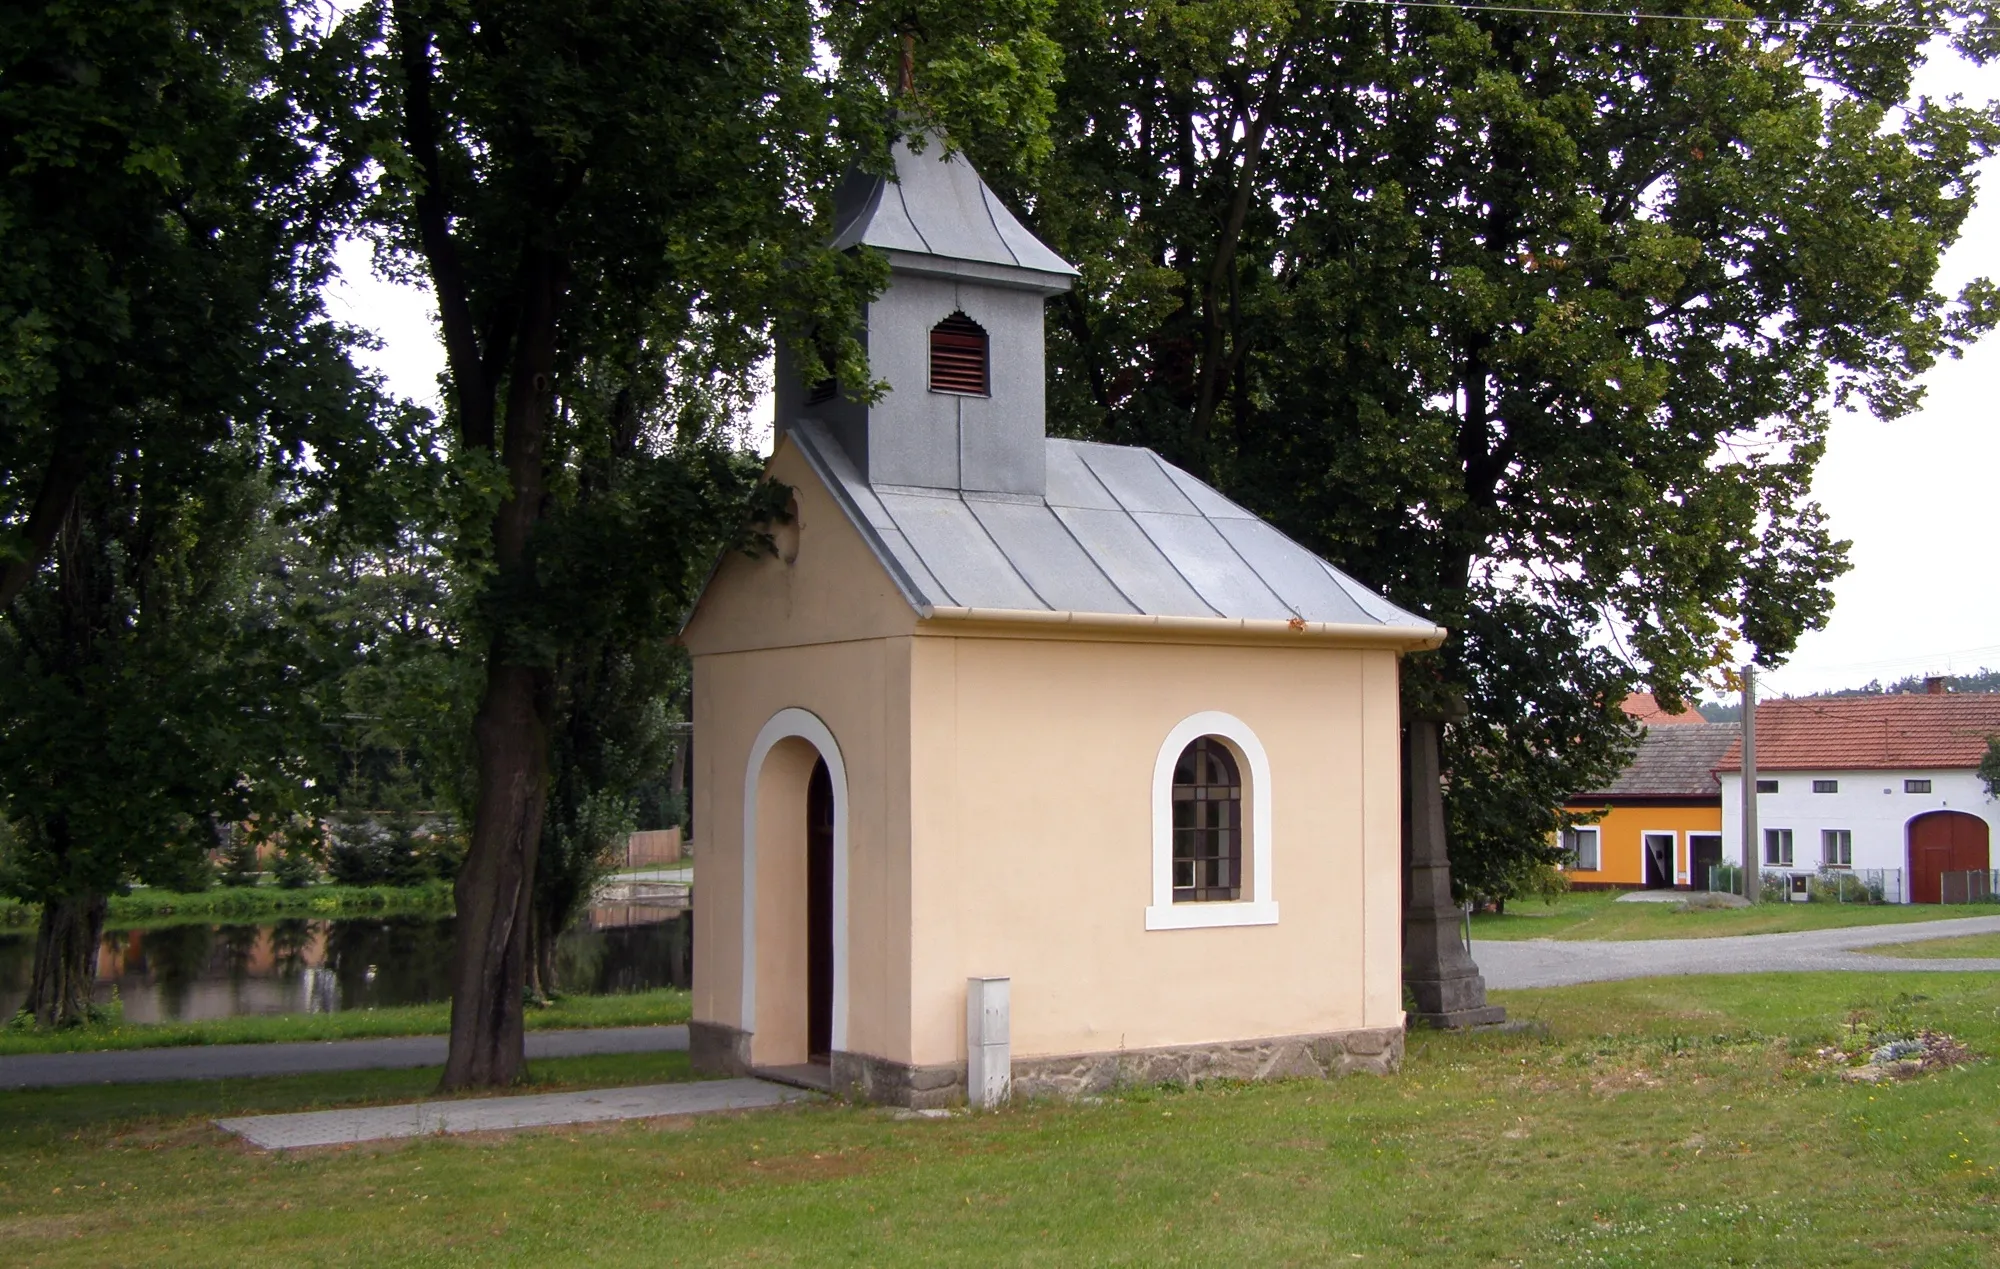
1019,623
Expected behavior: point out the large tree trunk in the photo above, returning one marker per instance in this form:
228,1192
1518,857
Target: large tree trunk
495,888
65,971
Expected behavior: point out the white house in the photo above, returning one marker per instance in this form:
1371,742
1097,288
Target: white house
1868,784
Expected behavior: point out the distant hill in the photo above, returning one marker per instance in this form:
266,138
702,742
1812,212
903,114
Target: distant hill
1980,680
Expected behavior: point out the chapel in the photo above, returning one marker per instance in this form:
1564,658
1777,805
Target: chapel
1028,763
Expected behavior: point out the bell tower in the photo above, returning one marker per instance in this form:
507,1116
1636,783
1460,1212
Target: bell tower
956,335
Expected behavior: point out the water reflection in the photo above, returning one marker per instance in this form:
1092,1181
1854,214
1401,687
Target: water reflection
193,972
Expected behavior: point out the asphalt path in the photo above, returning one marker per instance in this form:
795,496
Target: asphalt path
249,1061
1553,963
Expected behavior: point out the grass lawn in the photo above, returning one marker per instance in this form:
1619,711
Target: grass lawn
1597,914
1675,1121
633,1009
1941,949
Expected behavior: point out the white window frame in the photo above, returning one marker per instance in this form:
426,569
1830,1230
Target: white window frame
1774,835
1575,862
1260,908
1826,839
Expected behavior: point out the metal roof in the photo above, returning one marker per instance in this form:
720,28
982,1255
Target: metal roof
1120,531
938,206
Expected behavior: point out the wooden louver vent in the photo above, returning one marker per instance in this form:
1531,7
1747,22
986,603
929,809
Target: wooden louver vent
958,356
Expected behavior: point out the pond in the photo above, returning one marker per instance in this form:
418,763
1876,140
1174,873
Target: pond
190,972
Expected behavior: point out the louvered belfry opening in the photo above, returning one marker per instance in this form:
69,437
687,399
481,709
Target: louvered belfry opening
958,356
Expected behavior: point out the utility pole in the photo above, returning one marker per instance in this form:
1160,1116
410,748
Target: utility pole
1752,866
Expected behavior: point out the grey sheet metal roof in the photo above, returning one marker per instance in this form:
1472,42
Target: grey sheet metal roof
1120,531
938,206
1674,762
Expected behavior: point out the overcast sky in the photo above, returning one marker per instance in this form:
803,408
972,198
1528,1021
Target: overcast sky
1911,495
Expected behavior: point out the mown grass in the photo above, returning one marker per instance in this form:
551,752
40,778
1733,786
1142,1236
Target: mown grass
237,903
181,1106
1597,914
1941,949
1662,1122
632,1009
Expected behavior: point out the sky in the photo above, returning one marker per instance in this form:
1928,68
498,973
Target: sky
1910,495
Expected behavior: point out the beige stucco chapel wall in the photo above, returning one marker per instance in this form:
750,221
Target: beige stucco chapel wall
824,631
1033,785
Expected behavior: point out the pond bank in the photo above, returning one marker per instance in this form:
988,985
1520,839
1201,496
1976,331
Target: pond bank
658,1007
250,902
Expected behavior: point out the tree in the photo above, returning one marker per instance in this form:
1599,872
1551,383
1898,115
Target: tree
617,187
167,384
149,703
1532,320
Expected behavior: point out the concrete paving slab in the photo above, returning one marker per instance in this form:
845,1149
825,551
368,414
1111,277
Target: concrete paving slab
249,1061
1559,963
497,1114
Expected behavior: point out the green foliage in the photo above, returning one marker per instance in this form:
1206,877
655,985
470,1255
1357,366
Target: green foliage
172,403
240,866
1989,767
1532,321
617,203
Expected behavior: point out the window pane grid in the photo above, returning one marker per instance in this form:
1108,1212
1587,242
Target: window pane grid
1778,846
1208,824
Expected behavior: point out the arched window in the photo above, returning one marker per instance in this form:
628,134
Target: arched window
1212,829
1208,824
958,356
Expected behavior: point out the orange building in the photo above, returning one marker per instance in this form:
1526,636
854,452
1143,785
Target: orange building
1659,825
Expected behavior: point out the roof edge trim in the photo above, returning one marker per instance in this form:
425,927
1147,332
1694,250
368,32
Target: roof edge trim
1026,623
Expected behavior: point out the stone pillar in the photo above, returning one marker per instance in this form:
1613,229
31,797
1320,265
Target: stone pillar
1437,969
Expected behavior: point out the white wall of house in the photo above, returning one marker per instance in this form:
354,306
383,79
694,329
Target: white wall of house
1870,804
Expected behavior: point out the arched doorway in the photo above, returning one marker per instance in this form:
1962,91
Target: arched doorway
794,898
1942,842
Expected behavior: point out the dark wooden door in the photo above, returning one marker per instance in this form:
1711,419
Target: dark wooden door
1942,842
1704,853
819,914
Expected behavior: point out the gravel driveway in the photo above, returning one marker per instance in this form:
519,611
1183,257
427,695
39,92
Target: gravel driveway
1549,963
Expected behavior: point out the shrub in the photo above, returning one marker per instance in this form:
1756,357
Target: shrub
239,861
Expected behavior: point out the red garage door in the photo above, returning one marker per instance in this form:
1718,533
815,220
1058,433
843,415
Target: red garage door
1942,842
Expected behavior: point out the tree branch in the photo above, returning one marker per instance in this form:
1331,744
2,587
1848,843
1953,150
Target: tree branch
1215,367
53,502
473,385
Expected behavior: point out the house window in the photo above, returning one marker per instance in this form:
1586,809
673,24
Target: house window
1778,847
1836,848
1580,844
1212,833
1767,786
958,356
1826,786
1208,824
823,391
1916,786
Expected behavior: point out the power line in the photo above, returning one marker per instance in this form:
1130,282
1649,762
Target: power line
1839,24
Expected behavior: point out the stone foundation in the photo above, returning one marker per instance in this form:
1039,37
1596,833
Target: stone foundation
874,1079
717,1049
1370,1050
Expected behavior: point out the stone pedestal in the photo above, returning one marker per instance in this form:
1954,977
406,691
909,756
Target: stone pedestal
1437,969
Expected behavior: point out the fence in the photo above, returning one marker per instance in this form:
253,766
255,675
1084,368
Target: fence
1827,885
1969,887
659,846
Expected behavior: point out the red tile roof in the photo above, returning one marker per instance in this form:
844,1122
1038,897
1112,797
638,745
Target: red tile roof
1862,733
1650,713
